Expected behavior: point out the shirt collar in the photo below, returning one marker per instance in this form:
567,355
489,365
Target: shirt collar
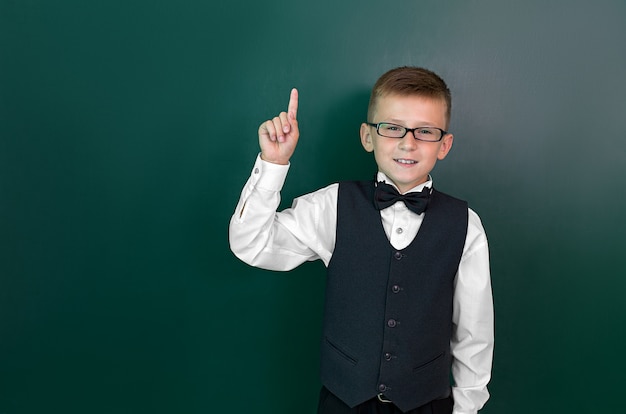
382,177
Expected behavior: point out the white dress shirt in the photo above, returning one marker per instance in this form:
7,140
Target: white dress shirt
267,239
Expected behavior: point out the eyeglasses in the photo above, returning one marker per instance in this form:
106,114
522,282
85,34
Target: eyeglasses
428,134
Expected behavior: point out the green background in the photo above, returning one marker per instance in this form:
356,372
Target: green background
128,128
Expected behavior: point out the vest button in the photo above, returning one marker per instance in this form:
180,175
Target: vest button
395,289
387,356
382,388
398,255
392,323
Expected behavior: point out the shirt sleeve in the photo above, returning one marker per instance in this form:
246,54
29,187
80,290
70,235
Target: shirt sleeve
262,237
473,320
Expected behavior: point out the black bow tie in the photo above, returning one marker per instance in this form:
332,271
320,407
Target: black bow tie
386,195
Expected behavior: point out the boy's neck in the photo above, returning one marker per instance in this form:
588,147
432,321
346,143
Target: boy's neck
380,176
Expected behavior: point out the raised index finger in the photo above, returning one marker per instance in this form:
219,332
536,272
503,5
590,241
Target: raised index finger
292,109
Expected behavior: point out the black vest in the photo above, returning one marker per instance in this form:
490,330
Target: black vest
388,313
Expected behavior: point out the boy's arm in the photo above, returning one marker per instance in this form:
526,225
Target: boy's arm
264,238
259,235
473,319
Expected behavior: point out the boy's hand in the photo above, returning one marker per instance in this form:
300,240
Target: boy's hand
278,137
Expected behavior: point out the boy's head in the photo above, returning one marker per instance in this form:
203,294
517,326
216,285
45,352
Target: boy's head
407,123
409,80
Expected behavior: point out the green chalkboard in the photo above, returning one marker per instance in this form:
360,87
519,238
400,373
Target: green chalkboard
127,130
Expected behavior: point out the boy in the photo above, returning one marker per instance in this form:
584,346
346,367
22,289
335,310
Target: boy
408,293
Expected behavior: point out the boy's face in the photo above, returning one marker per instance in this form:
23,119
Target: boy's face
407,161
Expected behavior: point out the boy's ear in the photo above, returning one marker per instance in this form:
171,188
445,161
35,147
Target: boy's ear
366,137
446,146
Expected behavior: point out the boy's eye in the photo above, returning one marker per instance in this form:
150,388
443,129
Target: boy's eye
425,131
389,127
391,130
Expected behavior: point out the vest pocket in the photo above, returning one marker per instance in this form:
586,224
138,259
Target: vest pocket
429,362
340,351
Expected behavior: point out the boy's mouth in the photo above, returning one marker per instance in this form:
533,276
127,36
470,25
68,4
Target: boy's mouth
405,161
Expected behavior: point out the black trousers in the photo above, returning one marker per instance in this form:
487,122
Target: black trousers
330,404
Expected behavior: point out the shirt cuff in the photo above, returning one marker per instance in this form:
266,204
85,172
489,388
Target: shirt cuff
268,176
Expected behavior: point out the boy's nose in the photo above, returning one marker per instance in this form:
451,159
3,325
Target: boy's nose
408,142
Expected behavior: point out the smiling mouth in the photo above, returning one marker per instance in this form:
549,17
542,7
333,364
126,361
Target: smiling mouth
404,161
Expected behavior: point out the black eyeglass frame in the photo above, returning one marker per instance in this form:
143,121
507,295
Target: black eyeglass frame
406,131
